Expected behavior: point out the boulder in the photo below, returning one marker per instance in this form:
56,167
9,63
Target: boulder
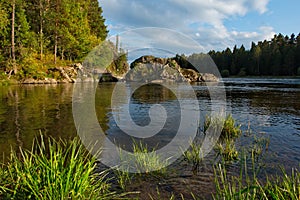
209,78
107,77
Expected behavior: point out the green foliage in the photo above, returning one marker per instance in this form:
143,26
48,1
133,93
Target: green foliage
229,132
225,73
298,71
123,178
144,161
279,56
41,26
32,67
53,170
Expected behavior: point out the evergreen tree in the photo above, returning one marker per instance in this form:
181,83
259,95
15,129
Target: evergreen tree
96,21
279,56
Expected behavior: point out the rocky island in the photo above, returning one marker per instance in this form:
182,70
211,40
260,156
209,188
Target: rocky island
154,69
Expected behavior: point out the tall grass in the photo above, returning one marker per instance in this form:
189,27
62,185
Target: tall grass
229,130
227,150
225,146
53,170
194,155
146,160
248,186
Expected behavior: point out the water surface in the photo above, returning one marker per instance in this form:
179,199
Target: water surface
269,107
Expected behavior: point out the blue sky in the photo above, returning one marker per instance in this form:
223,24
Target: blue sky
214,24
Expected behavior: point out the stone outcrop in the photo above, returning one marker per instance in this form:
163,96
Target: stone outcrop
152,69
58,75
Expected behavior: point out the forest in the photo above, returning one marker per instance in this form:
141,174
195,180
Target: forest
38,35
279,56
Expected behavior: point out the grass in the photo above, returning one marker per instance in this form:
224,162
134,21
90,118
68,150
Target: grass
248,186
144,163
225,146
53,170
229,129
148,161
227,150
194,155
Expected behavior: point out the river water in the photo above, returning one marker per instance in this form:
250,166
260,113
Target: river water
269,107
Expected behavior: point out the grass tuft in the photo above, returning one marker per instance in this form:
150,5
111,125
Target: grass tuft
194,155
229,129
53,170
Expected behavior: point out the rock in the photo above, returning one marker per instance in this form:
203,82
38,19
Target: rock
209,78
171,74
152,69
149,60
190,75
107,77
29,81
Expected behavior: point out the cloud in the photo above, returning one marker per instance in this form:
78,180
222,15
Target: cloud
202,20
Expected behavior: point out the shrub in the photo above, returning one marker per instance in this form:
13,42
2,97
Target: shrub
242,72
225,73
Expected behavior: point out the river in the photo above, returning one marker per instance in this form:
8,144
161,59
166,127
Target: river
268,106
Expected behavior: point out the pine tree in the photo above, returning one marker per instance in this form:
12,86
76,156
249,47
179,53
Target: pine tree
96,21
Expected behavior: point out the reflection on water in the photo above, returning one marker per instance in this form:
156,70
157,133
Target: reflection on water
25,111
271,106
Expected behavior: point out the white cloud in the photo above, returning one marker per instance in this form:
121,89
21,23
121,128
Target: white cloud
260,6
203,20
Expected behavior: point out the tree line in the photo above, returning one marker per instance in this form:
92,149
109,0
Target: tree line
279,56
36,34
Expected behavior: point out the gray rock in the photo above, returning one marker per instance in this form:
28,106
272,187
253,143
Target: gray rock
150,69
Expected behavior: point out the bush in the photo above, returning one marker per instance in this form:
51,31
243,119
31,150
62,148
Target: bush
298,72
242,72
225,73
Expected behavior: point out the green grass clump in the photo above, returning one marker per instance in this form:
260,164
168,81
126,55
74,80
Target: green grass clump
227,150
248,186
148,161
194,155
53,170
229,127
230,131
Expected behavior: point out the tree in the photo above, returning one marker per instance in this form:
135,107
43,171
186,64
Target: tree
96,21
256,55
13,52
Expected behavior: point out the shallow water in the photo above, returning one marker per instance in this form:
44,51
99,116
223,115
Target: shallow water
270,107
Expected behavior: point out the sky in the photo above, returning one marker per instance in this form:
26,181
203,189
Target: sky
213,24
